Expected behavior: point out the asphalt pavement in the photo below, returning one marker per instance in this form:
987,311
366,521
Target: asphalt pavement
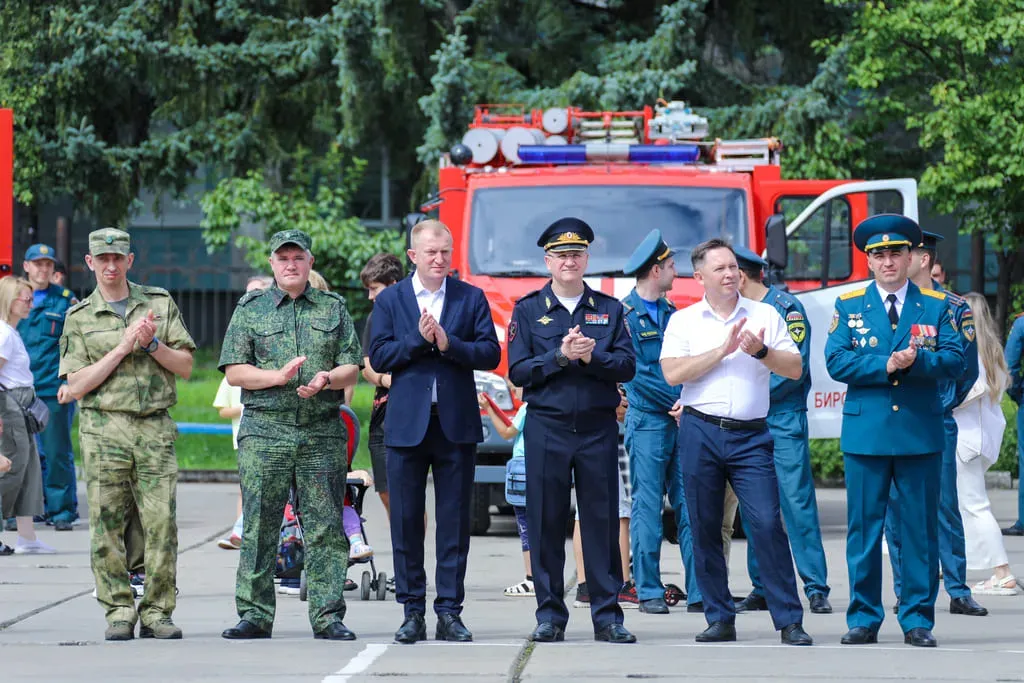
51,629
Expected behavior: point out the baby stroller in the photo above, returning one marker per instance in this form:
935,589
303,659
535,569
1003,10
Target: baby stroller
374,583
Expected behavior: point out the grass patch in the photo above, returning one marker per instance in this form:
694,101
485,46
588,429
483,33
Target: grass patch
214,451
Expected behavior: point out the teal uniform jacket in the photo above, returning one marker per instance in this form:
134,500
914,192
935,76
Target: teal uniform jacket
41,332
648,391
954,392
898,414
788,395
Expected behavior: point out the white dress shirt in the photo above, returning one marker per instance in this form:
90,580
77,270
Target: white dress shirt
738,386
433,303
901,296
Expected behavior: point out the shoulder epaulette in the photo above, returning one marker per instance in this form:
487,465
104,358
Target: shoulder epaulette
853,295
250,296
528,295
602,294
77,307
333,295
955,298
941,296
669,302
626,307
155,291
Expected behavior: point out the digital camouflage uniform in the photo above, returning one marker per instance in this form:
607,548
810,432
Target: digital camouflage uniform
127,442
284,437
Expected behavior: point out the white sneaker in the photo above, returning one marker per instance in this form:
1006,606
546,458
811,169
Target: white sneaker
359,550
232,542
36,547
288,590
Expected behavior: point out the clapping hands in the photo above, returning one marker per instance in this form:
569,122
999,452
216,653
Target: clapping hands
577,346
901,360
140,332
432,331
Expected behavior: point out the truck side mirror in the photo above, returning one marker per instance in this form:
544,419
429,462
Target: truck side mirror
411,219
775,240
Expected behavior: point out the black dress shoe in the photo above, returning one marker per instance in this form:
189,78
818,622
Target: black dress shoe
1013,531
335,631
968,606
654,606
919,637
860,635
245,630
820,604
752,603
547,633
413,629
794,634
614,633
718,632
451,628
695,607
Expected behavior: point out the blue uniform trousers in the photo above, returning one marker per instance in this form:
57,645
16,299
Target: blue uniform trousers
799,504
868,480
556,455
653,469
57,460
709,456
452,465
1020,466
952,548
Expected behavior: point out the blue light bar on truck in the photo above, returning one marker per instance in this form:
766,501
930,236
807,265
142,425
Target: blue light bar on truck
581,154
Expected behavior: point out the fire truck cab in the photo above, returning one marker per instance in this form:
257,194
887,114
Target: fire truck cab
517,171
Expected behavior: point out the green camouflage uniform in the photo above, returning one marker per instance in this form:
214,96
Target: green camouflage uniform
127,443
283,436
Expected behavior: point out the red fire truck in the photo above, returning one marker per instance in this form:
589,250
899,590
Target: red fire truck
518,170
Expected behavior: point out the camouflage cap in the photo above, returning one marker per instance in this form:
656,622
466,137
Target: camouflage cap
296,237
109,241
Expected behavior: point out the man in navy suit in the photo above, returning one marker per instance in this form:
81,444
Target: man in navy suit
431,331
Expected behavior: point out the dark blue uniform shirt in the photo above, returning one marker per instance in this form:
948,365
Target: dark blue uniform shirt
581,395
787,394
648,391
41,332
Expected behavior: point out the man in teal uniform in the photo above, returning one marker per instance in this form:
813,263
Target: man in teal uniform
651,428
787,421
1014,356
952,545
892,344
41,332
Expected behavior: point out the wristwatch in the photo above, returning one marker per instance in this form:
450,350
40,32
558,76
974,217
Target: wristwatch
762,353
561,358
151,347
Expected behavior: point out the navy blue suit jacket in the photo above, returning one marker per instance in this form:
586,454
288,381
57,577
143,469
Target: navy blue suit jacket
396,346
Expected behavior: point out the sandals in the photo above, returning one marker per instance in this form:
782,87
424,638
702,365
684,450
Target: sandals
994,586
524,589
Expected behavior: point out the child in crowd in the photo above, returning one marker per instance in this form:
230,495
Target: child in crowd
514,430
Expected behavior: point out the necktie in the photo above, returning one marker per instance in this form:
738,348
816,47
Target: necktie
894,316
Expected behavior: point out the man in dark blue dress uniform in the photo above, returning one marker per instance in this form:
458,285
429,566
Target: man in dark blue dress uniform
568,348
952,545
892,343
787,421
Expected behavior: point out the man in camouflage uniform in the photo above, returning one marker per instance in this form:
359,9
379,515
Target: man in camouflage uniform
120,352
293,350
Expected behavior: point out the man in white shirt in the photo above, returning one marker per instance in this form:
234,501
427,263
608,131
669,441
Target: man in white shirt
723,350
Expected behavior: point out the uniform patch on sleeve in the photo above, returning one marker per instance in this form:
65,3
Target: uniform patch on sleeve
797,330
513,327
835,322
967,326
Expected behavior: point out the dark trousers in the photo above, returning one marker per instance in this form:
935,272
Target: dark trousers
710,456
453,468
57,461
554,456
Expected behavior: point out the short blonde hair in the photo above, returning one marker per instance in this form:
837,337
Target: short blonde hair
317,281
430,225
9,288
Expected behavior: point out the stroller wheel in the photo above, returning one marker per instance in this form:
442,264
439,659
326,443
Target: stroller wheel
382,586
364,588
303,588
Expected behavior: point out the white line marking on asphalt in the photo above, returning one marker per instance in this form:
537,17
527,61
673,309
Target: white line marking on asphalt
360,663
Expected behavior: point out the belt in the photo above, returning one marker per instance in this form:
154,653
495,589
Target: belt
433,409
728,423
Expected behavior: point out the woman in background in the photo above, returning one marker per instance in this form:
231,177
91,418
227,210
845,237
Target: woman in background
980,423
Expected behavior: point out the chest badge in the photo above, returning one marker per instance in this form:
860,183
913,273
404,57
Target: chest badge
544,320
596,319
642,323
873,342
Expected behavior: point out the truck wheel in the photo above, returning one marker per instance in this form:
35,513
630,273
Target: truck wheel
480,512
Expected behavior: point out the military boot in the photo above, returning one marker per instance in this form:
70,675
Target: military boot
161,629
119,630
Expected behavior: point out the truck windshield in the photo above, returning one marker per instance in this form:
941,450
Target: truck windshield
506,222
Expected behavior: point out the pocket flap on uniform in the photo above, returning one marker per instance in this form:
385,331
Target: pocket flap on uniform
851,407
324,324
269,328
